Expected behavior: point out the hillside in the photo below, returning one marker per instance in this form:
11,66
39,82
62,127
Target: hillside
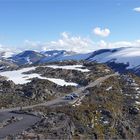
107,109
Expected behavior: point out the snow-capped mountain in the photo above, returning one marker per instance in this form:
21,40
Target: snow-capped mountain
31,57
120,59
56,55
129,56
6,54
7,65
57,52
64,57
27,57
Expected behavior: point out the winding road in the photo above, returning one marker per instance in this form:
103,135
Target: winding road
29,120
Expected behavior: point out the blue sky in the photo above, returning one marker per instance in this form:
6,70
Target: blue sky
39,22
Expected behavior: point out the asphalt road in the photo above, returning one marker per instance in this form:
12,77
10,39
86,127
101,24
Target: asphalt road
18,126
29,120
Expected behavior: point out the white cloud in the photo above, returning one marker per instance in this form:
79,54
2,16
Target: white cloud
137,9
77,44
31,45
65,35
4,48
65,42
70,43
103,44
101,32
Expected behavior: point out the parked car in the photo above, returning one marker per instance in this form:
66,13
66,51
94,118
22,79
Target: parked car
68,97
75,95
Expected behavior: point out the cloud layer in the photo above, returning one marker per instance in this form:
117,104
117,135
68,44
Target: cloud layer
66,42
78,44
137,9
103,44
72,43
101,32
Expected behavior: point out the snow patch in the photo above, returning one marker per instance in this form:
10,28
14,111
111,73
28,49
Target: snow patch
61,82
69,67
138,103
109,88
28,60
19,77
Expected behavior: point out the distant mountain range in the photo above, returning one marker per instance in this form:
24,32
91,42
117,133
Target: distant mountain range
120,59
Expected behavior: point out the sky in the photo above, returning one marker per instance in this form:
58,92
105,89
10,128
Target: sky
77,25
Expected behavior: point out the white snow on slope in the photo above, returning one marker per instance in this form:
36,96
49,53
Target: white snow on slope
18,77
8,54
28,60
61,82
129,56
109,88
138,103
69,67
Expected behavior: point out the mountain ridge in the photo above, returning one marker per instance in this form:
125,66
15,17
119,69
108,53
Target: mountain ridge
120,59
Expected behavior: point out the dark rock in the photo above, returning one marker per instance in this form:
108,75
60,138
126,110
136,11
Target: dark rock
106,113
133,110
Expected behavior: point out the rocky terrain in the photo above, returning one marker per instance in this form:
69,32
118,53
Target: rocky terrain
109,110
39,90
